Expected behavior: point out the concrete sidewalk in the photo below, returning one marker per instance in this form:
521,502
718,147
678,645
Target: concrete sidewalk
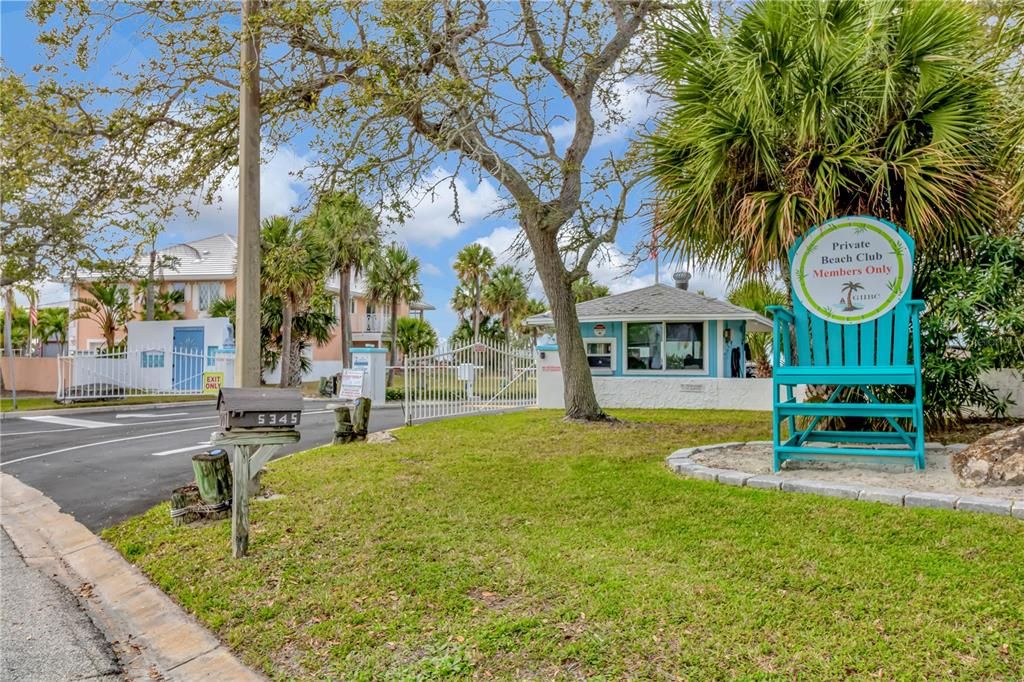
153,638
44,633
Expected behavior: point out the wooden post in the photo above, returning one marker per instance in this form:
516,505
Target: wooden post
182,498
361,419
343,429
213,476
240,500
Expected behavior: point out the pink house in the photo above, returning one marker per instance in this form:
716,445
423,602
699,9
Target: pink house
204,271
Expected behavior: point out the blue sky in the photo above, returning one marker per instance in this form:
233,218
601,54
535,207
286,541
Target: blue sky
430,233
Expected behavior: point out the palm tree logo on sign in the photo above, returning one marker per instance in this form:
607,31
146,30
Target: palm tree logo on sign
852,269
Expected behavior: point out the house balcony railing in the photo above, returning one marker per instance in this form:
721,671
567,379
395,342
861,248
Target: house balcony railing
374,322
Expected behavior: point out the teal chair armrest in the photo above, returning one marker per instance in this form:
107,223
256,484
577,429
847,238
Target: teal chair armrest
780,311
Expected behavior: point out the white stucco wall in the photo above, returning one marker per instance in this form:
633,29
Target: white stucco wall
657,392
1007,382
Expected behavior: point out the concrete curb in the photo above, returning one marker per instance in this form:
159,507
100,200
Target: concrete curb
153,637
681,462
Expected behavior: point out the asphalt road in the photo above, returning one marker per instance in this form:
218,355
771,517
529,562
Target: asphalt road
105,466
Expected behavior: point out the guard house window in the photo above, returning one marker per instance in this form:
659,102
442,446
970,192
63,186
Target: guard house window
600,355
644,346
152,359
208,293
661,346
684,347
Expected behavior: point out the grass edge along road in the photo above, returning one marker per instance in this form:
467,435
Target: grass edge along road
524,546
48,403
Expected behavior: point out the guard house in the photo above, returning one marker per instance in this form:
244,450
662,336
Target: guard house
661,346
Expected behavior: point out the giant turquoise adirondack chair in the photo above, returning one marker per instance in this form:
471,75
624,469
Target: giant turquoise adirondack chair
850,347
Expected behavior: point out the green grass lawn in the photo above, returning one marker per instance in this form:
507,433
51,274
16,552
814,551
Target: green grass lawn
49,403
520,546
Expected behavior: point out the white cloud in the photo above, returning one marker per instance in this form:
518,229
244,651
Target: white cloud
280,192
431,221
48,294
431,269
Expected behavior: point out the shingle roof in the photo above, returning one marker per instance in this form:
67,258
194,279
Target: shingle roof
203,259
658,302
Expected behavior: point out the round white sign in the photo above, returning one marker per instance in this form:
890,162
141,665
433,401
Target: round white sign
852,269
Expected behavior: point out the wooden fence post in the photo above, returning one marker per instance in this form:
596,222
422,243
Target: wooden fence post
240,500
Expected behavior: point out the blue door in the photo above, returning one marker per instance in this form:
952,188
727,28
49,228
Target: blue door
188,359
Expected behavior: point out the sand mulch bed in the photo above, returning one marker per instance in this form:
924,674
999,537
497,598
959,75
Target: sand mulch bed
936,477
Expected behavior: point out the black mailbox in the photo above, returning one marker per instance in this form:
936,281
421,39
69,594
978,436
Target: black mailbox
259,408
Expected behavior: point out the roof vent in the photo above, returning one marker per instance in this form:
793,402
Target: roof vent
682,280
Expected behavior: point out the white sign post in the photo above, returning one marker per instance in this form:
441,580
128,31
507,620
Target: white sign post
852,269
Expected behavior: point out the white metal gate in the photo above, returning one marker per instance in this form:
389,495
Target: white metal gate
478,377
126,373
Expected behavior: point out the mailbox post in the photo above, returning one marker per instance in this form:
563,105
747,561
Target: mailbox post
254,423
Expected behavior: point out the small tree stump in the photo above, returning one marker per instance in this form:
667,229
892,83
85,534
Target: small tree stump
343,429
213,476
182,498
361,419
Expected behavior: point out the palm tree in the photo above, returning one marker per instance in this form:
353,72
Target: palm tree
352,234
533,307
586,289
294,263
108,305
393,276
757,295
53,326
505,295
314,324
788,112
415,336
473,265
849,288
462,302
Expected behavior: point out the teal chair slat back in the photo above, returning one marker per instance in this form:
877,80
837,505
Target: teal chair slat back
882,342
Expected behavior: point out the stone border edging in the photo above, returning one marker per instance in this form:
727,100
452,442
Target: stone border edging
680,462
153,637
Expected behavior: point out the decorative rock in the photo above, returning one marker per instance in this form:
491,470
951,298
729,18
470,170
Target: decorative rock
985,505
892,496
381,437
765,482
997,459
930,500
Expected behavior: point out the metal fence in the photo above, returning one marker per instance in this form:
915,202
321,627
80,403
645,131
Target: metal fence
468,379
154,371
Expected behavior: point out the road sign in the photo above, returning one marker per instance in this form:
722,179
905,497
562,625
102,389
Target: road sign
213,382
852,269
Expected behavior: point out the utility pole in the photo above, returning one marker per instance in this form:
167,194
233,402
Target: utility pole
247,286
150,293
8,308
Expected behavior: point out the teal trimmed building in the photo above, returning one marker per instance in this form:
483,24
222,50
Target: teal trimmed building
663,331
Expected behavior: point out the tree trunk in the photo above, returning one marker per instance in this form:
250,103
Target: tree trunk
361,418
345,316
150,302
295,373
286,341
213,476
394,339
476,309
580,400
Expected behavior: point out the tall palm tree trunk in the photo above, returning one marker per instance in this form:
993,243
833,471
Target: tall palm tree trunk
286,341
393,351
476,309
344,314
